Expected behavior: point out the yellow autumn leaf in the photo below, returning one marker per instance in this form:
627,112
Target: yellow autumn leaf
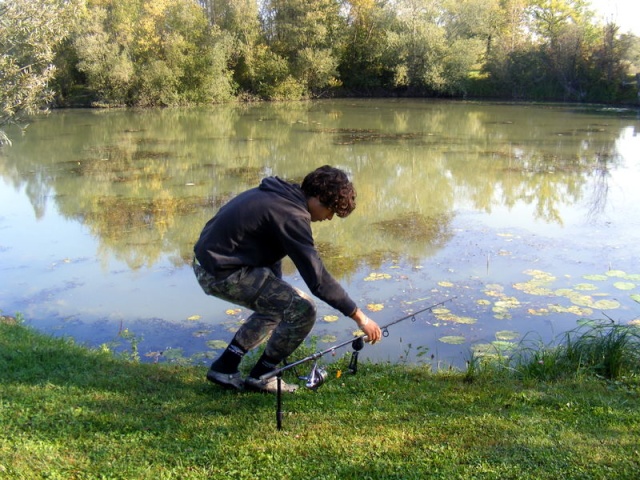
233,311
194,318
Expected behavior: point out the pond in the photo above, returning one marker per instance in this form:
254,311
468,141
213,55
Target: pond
523,217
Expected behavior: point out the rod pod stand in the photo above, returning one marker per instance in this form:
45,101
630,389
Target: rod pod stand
279,402
357,344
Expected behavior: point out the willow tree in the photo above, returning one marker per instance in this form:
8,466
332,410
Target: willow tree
30,32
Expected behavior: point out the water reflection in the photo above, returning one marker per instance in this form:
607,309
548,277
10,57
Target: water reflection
143,183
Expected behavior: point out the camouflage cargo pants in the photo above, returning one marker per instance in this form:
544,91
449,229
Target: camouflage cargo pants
280,309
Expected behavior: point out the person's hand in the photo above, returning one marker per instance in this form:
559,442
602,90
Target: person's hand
372,331
368,326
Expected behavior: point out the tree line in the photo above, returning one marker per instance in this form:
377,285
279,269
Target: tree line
185,52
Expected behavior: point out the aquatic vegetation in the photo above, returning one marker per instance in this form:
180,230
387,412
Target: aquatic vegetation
452,339
538,285
373,276
328,339
217,344
350,136
496,349
507,335
616,273
445,315
596,277
251,175
375,307
417,227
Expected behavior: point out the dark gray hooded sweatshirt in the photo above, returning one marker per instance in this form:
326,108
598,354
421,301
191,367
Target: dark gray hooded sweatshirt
261,226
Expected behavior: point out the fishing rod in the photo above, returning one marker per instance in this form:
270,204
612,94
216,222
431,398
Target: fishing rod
318,375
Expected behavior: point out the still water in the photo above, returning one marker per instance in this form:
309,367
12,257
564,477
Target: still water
526,214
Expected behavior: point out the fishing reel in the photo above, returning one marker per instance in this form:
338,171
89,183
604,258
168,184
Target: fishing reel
316,377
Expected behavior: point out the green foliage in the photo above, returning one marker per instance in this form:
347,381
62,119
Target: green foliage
154,53
308,35
162,52
107,64
266,74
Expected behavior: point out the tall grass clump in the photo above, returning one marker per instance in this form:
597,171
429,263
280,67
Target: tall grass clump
601,349
607,350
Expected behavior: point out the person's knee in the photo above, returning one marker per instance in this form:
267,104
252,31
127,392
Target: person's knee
304,308
309,305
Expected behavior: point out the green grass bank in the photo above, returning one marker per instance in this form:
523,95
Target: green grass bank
68,412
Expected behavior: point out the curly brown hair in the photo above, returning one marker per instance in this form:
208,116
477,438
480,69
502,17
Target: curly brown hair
333,189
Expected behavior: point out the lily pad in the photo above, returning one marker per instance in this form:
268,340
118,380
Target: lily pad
624,285
328,338
330,318
585,286
485,350
508,302
452,339
450,317
217,344
574,309
496,287
606,304
635,297
503,346
440,311
373,276
533,288
595,277
563,292
616,273
507,335
375,307
541,276
581,300
588,322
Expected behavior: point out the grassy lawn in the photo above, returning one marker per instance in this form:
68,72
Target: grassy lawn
68,412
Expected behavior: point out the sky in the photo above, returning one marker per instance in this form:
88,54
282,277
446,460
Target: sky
625,13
